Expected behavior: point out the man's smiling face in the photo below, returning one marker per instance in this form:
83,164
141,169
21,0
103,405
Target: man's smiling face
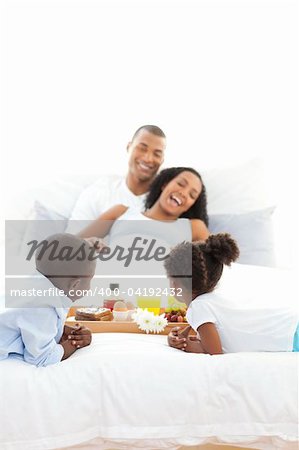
146,154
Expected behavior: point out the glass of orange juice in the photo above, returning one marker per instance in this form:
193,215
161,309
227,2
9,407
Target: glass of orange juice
150,303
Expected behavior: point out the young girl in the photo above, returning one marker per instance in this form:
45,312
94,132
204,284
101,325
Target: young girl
223,326
177,192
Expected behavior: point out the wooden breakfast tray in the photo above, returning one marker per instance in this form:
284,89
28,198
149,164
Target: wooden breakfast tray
97,326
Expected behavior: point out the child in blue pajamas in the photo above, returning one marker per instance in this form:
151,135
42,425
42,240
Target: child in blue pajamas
38,334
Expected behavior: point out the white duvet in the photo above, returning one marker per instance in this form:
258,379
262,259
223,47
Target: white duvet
129,391
134,389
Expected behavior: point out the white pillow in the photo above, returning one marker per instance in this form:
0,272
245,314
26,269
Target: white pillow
61,195
29,230
253,232
58,196
42,212
236,189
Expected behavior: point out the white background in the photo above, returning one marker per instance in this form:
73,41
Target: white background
219,77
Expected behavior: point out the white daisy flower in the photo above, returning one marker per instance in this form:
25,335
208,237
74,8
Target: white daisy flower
160,323
148,322
137,314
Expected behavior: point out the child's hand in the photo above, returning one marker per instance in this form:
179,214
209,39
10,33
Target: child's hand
193,345
80,336
177,338
98,244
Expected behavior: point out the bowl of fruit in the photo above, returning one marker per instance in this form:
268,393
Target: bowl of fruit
175,315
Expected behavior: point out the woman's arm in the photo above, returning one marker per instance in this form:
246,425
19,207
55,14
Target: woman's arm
100,227
210,339
200,231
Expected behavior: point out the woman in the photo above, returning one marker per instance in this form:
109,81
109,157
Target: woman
177,192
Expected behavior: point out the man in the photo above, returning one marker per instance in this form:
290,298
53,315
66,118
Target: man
146,154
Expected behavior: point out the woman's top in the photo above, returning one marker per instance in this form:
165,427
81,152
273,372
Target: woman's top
139,246
172,232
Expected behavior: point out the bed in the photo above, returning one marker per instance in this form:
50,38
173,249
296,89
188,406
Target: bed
104,394
130,391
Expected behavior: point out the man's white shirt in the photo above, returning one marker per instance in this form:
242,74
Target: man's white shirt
108,191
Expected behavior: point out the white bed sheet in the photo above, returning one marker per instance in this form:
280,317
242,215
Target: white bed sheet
129,391
133,390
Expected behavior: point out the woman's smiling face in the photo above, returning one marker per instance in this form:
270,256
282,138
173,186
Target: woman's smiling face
180,194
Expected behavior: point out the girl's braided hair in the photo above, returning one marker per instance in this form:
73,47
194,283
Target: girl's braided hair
208,258
197,211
